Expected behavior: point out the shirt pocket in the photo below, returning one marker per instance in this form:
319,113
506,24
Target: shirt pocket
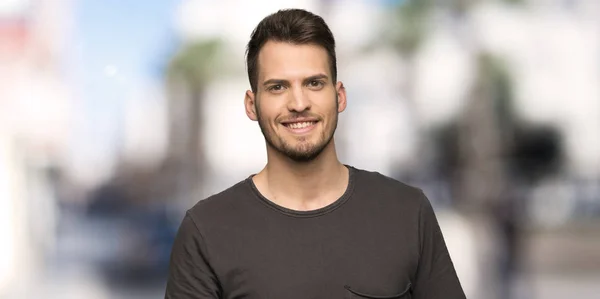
356,294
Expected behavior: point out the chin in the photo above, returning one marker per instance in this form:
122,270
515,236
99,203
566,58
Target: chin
303,156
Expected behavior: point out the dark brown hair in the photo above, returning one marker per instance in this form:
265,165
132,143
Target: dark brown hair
295,26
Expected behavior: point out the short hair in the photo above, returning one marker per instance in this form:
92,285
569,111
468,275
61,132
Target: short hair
295,26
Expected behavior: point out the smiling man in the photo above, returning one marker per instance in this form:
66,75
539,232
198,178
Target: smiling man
307,225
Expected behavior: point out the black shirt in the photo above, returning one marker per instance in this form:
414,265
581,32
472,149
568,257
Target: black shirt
381,239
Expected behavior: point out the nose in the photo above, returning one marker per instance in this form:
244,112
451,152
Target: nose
298,101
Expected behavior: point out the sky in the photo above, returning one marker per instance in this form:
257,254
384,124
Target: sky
118,48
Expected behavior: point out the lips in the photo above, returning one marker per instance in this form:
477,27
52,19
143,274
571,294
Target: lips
299,122
300,125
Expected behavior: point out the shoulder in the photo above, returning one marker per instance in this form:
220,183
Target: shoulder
382,188
222,205
377,182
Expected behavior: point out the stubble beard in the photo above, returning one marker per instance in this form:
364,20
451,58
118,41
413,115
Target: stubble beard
305,151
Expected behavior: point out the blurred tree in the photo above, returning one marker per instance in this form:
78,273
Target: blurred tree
143,196
489,147
410,23
408,28
490,155
486,154
481,178
188,75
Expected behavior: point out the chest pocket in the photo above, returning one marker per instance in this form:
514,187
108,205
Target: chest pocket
355,294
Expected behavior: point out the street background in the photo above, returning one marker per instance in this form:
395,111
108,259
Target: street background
117,116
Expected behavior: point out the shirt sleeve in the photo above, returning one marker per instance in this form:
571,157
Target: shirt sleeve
190,274
436,277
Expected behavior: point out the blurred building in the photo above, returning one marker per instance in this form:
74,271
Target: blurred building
34,136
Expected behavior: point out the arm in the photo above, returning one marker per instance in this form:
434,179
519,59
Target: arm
190,274
435,277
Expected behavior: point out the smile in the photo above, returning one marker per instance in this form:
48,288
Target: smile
300,127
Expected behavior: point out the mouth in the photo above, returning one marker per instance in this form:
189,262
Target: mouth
300,127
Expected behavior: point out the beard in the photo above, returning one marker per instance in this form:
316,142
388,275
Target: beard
304,151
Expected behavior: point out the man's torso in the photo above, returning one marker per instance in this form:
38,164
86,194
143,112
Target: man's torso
365,243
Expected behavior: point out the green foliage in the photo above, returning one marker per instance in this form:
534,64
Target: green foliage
198,62
411,20
494,74
515,1
409,25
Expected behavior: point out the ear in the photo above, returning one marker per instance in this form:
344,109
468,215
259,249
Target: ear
341,96
250,105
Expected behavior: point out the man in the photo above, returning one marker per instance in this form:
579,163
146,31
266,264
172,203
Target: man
307,226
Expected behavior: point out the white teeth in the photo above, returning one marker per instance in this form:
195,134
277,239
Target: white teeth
300,125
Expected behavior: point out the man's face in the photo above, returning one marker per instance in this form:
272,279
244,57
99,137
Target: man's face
296,104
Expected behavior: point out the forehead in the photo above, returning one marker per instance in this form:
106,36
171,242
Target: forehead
282,60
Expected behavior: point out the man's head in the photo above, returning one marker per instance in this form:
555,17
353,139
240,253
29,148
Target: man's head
292,71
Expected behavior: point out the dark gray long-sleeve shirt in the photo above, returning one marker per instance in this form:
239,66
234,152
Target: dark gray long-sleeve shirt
381,239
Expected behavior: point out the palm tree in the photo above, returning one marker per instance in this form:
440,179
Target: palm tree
408,29
188,75
410,24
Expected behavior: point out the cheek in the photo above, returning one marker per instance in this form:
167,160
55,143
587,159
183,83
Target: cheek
268,113
331,108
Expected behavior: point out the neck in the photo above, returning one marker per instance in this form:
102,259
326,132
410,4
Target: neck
303,185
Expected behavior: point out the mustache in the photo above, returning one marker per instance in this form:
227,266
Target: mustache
299,115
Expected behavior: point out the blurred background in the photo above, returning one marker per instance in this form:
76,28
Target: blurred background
117,116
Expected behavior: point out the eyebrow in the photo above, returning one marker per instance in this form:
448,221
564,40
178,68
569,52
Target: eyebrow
276,81
315,77
286,82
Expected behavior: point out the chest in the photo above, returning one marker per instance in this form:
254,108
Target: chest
312,259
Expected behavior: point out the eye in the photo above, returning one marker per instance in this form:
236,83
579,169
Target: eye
315,84
275,88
